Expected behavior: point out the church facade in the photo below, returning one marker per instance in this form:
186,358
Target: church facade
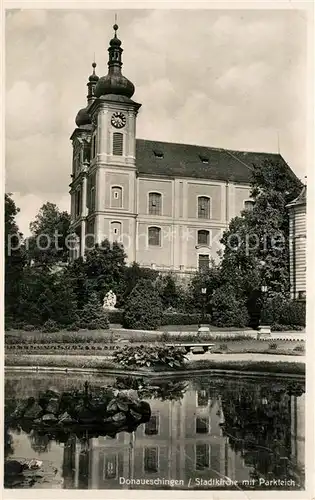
167,203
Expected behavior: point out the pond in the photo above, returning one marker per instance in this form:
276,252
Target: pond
203,433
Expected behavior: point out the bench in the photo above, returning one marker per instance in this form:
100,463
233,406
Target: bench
206,346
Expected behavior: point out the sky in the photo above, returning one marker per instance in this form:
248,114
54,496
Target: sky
234,79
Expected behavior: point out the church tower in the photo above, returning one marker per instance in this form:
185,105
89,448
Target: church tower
108,126
111,184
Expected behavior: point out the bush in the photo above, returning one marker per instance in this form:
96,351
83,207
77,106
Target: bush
183,319
93,315
50,326
150,356
227,310
143,308
293,313
282,328
29,328
73,328
115,317
280,311
273,346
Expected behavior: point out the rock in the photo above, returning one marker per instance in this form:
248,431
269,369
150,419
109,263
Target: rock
130,394
122,405
34,411
53,406
49,417
65,419
13,467
112,406
119,417
135,415
20,409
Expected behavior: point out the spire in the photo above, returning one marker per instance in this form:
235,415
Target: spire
114,82
115,51
93,79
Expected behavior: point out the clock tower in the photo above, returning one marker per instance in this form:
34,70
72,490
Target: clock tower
111,180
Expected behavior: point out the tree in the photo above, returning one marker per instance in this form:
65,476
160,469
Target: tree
143,308
50,229
105,268
46,295
171,292
261,235
93,315
227,309
132,274
209,279
14,256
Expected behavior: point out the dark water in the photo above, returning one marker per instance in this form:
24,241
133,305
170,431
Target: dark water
205,433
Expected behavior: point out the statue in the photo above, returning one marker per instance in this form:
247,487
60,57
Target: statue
109,300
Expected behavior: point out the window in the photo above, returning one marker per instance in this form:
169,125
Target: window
202,425
92,199
248,205
116,198
204,158
151,459
202,398
154,236
203,207
203,237
203,263
151,428
110,467
155,203
115,230
78,203
93,146
202,456
158,154
117,144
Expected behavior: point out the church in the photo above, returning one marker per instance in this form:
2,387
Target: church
167,203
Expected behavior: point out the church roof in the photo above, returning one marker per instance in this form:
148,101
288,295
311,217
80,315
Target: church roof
167,159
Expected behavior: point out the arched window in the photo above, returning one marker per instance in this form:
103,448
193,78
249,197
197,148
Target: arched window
203,207
249,205
116,197
203,237
115,230
154,236
118,140
78,202
155,204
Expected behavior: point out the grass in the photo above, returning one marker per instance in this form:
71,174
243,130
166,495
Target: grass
247,366
68,361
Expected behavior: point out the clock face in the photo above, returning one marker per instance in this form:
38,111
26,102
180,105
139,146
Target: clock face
118,120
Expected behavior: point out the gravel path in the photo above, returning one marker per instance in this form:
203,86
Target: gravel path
247,356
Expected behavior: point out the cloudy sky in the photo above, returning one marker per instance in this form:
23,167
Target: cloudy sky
231,79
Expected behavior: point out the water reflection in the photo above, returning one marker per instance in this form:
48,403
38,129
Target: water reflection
201,432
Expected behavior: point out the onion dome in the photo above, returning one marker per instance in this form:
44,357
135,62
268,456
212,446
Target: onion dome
83,116
114,82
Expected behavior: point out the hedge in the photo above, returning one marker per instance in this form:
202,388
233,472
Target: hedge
115,317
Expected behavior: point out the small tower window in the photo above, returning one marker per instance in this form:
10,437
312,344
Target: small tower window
203,237
203,207
154,236
117,144
155,203
115,230
116,197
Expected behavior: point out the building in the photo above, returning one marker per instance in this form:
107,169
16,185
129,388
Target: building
167,203
182,441
297,221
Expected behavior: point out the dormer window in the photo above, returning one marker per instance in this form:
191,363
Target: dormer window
158,154
204,158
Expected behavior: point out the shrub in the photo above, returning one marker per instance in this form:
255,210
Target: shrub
282,328
293,313
299,348
50,326
143,308
73,327
273,345
29,328
183,319
115,317
227,310
223,347
150,356
93,315
280,311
